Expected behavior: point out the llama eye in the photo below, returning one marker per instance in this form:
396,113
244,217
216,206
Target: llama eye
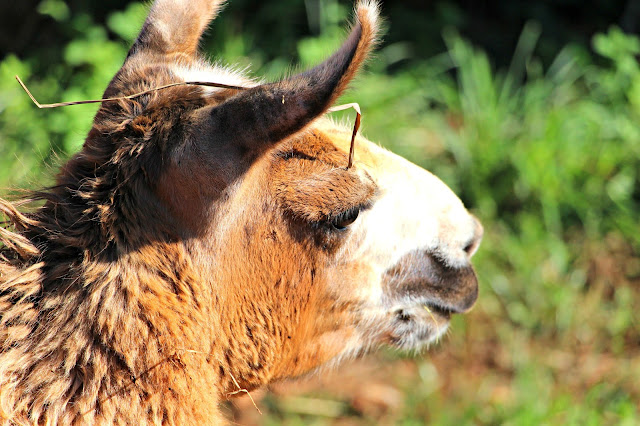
344,219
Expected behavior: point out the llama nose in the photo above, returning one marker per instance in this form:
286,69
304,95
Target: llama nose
472,246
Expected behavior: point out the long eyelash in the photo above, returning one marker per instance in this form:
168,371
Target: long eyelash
345,214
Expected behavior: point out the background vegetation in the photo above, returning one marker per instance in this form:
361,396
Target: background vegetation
529,110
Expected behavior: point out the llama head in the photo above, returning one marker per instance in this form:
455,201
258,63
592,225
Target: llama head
304,261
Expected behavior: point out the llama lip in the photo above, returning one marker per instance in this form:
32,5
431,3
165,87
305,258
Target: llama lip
415,325
438,310
425,310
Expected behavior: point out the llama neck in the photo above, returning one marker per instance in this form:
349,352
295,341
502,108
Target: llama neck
113,340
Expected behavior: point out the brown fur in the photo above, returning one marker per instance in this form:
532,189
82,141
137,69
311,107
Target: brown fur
187,249
117,304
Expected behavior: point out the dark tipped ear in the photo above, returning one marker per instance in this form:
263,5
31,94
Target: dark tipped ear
266,114
175,26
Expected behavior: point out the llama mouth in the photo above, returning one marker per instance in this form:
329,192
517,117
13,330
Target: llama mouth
414,325
431,311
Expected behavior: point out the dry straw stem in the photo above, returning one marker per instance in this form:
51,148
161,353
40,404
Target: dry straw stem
355,106
232,378
242,390
356,126
135,95
426,308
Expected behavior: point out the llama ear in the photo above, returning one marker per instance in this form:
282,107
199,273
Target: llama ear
255,119
175,26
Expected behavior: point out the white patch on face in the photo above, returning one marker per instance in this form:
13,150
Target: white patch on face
414,212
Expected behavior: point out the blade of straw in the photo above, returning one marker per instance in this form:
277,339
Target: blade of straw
135,95
356,126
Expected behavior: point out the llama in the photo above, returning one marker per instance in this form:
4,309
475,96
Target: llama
207,239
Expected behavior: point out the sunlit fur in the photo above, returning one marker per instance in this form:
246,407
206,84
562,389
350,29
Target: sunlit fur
190,249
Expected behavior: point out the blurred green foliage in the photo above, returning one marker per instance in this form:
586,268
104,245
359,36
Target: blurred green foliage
548,157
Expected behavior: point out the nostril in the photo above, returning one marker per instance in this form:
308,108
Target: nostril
403,316
470,248
474,243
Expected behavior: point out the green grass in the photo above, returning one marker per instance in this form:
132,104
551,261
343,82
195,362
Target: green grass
548,159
